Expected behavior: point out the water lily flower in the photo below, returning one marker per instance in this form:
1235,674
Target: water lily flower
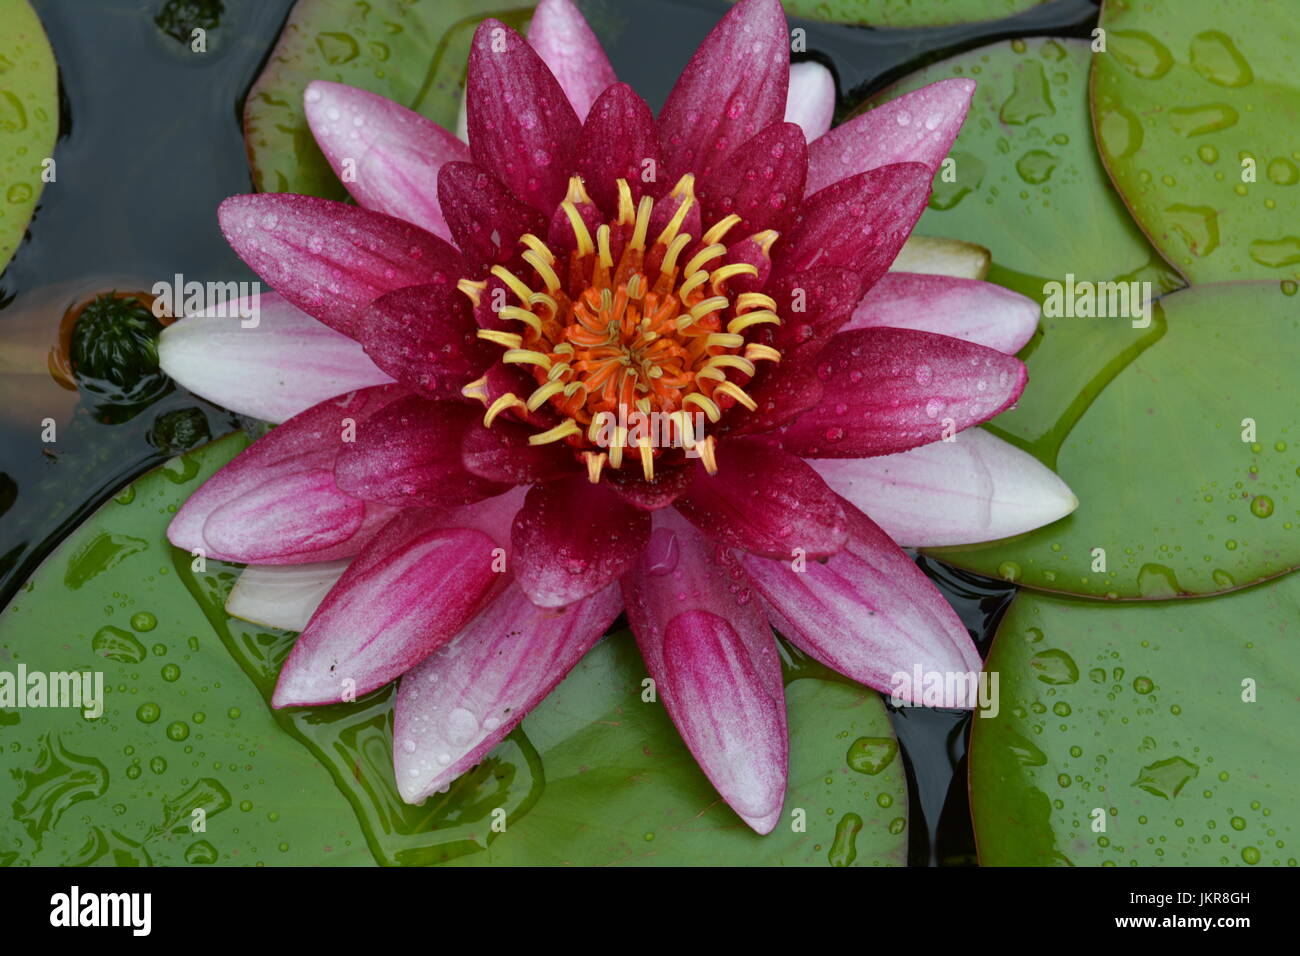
464,493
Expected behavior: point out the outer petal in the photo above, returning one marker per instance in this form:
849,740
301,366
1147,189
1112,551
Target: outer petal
888,390
423,578
281,366
965,309
943,257
276,502
408,456
465,697
617,139
765,501
571,538
734,86
977,488
811,100
763,182
868,612
561,37
394,153
521,126
711,654
917,127
858,224
331,259
283,596
426,337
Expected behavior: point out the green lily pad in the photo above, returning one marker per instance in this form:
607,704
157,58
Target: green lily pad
1196,103
594,775
1187,466
1168,724
906,13
1026,183
411,51
29,119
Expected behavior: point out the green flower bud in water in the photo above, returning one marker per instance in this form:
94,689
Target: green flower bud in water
114,357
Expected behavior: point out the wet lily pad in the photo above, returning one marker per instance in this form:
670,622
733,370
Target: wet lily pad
1025,181
1154,734
595,775
907,13
411,51
29,119
1196,103
1187,465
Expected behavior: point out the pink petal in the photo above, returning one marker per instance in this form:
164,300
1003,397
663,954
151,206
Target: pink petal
276,503
571,538
504,454
282,595
734,86
423,578
765,501
859,223
331,259
521,126
918,127
562,38
888,390
711,654
812,305
977,488
485,218
425,336
965,309
762,183
273,370
408,456
868,612
387,156
465,697
811,100
666,487
619,141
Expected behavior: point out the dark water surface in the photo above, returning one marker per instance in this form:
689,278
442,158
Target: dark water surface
150,142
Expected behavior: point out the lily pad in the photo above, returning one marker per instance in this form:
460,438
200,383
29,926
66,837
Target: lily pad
1196,103
907,13
29,119
411,51
1024,180
1154,734
595,775
1187,466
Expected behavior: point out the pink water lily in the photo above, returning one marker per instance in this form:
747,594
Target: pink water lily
456,497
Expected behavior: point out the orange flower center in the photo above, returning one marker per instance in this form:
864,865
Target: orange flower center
656,338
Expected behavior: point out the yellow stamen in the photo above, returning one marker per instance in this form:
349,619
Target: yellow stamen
736,392
585,245
693,283
704,255
595,464
473,290
476,389
708,454
577,193
526,357
626,211
732,361
643,211
522,315
521,291
541,248
754,300
508,400
507,340
758,352
762,317
602,239
647,459
726,272
720,229
707,405
726,340
534,259
558,433
543,394
674,250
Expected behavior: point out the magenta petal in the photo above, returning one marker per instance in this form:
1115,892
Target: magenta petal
387,156
521,126
867,612
965,309
666,487
888,390
408,456
421,580
762,183
273,370
619,141
714,662
858,224
425,336
765,501
562,38
734,86
504,454
811,101
917,127
275,503
812,305
464,698
484,217
331,259
571,538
